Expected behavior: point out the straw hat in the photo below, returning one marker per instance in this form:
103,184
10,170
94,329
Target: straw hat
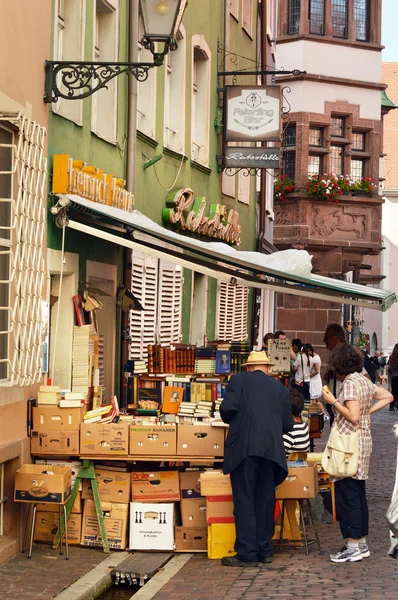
258,358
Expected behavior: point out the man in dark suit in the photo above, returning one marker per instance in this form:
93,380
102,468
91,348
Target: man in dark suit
257,408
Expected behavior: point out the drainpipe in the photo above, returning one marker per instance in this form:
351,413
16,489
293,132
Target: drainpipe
130,181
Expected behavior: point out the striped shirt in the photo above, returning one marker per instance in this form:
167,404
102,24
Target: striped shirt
298,439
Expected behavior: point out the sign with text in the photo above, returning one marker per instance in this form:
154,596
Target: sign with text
253,113
279,354
252,158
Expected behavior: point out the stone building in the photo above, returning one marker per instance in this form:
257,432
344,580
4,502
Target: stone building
334,126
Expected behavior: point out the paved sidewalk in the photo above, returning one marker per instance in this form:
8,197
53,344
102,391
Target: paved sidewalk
293,575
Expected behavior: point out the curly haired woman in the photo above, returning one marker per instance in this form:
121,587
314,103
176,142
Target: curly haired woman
392,370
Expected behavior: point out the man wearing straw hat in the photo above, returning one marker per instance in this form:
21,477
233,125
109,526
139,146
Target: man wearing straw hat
257,408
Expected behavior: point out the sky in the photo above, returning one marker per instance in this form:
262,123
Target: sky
389,36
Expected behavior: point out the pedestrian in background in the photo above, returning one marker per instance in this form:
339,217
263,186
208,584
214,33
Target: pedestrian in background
302,371
352,408
392,370
257,409
280,335
266,338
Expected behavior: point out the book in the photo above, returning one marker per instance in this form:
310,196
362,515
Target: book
172,399
63,403
78,304
100,412
223,362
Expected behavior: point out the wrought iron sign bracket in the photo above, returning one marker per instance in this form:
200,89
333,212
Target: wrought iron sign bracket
295,72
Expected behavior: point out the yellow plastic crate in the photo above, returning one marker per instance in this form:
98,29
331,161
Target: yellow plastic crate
220,540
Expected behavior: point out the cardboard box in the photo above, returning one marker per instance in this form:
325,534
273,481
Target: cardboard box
151,526
53,418
153,441
301,482
113,486
76,508
192,539
215,483
159,486
64,443
195,440
110,439
115,521
73,464
46,527
193,512
219,509
190,484
220,540
39,483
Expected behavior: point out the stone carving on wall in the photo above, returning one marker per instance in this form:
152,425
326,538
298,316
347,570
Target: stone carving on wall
325,222
282,215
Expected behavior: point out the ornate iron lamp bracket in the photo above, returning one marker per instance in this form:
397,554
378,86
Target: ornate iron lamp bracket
79,79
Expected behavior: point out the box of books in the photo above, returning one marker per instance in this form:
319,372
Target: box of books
54,418
115,520
61,443
159,486
200,440
113,486
153,441
41,483
111,439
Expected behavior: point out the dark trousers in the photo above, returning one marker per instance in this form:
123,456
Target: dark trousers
331,413
352,508
394,391
253,488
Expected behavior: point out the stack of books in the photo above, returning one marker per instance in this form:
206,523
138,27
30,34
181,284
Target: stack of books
205,360
104,414
82,353
49,394
139,366
203,411
216,414
72,400
186,409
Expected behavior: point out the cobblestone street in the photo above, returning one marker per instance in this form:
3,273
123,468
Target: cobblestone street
293,574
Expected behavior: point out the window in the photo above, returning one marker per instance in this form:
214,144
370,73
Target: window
228,183
317,16
200,124
314,165
23,172
104,102
244,180
339,18
174,104
146,90
358,140
316,136
247,16
69,45
232,310
158,286
337,128
293,25
361,19
289,164
336,159
357,169
289,136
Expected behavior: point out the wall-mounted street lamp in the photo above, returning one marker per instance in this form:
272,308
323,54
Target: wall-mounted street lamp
74,80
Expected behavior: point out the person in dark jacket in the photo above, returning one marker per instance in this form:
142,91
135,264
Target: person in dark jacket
257,408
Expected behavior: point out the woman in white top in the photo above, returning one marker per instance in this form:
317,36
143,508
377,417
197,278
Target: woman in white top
316,381
302,368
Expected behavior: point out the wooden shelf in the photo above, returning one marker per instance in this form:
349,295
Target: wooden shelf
144,458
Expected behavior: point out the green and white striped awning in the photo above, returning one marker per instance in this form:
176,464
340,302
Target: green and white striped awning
287,271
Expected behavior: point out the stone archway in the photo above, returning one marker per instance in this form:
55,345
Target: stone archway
373,344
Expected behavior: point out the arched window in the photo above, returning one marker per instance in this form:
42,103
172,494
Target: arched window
200,124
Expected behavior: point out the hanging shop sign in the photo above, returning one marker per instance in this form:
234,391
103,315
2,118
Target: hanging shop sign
195,215
252,113
251,158
72,176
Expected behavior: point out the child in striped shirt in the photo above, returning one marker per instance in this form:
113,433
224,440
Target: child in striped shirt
298,439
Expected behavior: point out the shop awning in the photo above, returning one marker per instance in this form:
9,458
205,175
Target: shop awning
287,271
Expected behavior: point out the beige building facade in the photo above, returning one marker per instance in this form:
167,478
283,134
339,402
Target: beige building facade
24,46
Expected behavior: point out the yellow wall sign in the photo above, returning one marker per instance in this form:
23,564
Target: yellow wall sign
192,214
76,177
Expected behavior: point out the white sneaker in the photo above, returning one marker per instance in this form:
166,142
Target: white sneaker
364,548
346,554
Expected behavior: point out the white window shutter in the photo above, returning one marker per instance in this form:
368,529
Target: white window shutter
144,285
170,299
232,306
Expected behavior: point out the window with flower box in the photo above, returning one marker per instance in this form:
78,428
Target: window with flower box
357,169
315,164
336,159
289,151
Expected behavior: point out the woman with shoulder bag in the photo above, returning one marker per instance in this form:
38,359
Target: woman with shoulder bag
352,409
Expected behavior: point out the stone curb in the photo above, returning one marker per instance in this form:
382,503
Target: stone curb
95,582
148,591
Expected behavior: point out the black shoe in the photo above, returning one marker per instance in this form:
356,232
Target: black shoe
265,561
233,561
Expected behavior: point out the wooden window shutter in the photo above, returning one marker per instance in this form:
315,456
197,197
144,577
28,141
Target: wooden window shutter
144,285
232,306
170,300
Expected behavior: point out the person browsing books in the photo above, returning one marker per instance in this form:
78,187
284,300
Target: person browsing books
257,409
298,439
